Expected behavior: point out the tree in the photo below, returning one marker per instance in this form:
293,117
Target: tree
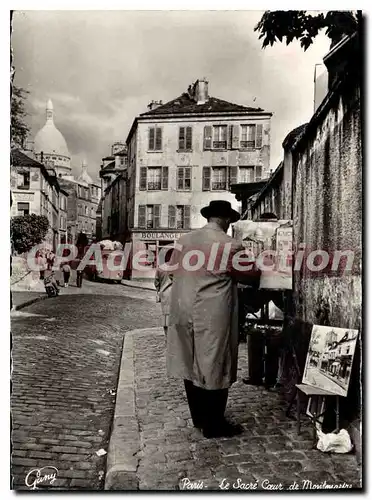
27,231
299,25
19,129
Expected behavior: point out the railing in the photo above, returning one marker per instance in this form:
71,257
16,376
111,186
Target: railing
247,144
218,186
154,186
219,144
150,224
24,186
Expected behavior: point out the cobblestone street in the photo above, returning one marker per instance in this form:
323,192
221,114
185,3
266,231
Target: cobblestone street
269,452
65,354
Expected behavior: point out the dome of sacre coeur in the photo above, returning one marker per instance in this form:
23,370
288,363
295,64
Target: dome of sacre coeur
49,139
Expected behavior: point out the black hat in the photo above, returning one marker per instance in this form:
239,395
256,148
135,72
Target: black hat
220,208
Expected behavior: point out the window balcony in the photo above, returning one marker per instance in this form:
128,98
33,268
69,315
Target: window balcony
219,186
150,224
154,186
219,144
247,144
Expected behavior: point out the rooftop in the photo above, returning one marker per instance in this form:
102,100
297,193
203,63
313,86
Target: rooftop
186,104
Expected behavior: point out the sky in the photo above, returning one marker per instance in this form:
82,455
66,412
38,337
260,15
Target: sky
102,68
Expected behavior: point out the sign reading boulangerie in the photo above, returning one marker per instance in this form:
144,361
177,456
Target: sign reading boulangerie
271,244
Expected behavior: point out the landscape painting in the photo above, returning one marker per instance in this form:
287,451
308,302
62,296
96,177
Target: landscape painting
276,236
330,358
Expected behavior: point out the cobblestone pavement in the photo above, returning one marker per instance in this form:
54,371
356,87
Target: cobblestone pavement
267,454
65,355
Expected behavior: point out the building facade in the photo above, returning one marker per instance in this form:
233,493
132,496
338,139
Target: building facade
36,190
184,154
82,204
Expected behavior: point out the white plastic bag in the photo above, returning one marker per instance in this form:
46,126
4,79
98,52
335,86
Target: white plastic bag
334,443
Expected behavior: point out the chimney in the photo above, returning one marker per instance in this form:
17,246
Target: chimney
201,91
154,104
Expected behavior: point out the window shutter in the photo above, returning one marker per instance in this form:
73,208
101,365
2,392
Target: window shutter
157,215
206,179
151,139
229,136
172,216
143,179
235,137
188,137
181,139
164,178
142,216
259,136
188,171
186,216
179,177
258,172
158,139
207,137
233,175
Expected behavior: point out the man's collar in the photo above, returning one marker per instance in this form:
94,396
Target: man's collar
214,225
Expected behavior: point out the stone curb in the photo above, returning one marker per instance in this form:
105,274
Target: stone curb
122,462
143,286
29,302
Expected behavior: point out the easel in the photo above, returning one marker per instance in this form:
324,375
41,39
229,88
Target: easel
317,415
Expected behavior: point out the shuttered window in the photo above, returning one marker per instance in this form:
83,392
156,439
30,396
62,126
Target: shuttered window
164,178
235,137
185,139
206,185
157,216
233,173
155,139
246,174
143,179
171,216
179,216
154,177
142,216
187,217
258,172
207,137
259,136
251,137
220,137
184,178
219,179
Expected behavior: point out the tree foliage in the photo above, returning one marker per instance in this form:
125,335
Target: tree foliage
27,231
19,129
299,25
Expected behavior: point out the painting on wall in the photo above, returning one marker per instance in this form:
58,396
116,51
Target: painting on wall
276,237
330,359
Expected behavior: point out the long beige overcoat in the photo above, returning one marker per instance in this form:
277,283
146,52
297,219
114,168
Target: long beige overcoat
202,343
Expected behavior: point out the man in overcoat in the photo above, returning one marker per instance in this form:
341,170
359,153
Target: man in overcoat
203,334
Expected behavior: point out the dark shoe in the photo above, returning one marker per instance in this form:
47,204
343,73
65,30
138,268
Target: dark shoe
226,429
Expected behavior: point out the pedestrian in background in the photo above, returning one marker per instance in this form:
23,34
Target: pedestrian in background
79,279
41,262
203,334
163,286
66,270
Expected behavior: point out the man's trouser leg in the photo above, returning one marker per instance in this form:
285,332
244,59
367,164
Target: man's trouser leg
215,405
256,346
196,403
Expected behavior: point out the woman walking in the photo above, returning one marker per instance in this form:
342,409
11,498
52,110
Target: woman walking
163,285
66,269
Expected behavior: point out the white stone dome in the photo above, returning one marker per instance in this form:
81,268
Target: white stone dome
49,139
